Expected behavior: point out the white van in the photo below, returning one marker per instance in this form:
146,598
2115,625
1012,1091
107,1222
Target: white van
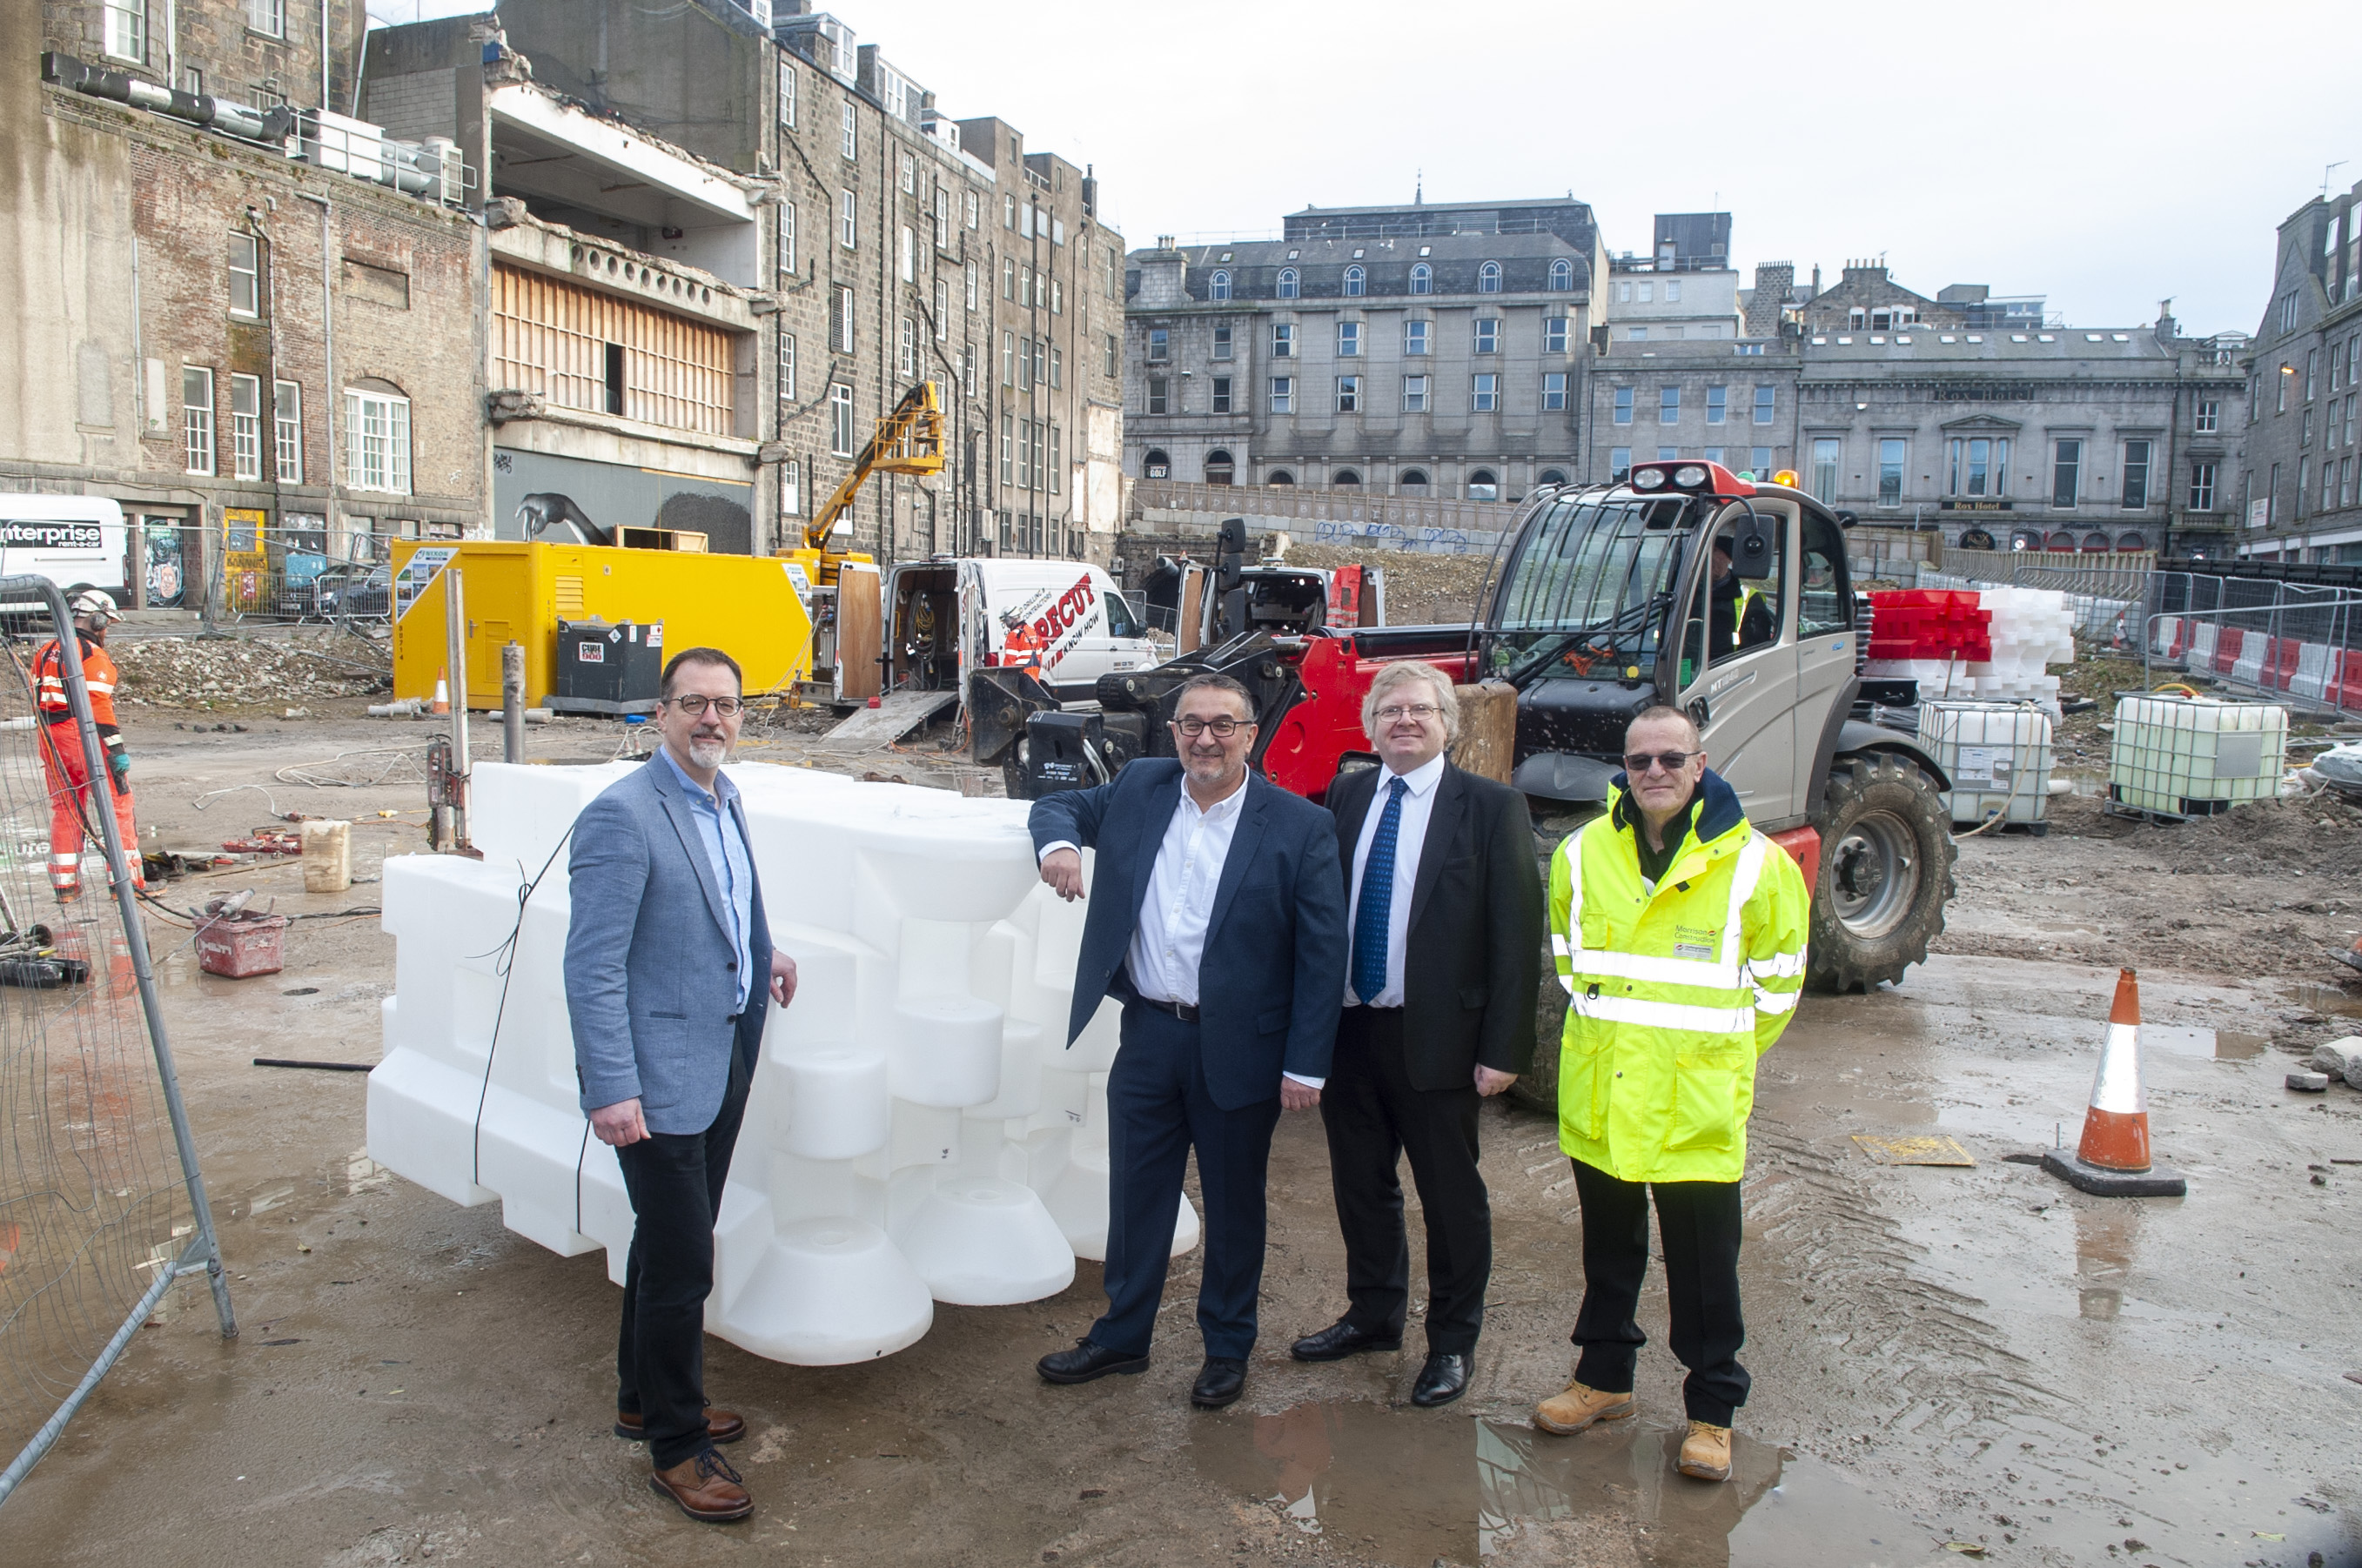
69,539
945,617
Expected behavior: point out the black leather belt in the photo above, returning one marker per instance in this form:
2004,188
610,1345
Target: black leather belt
1186,1011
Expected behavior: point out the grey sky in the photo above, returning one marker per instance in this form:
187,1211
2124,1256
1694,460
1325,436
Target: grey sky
2106,155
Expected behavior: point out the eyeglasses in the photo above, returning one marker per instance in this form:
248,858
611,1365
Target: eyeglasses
1419,711
1637,763
1223,728
695,703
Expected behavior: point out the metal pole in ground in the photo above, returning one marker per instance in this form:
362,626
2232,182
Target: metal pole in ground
513,702
455,624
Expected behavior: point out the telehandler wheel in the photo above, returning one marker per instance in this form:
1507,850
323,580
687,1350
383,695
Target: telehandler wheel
1886,873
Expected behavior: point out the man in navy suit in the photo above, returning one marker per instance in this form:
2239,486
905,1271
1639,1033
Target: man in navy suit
1219,924
669,969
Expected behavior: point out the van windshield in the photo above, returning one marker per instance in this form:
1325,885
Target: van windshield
1589,572
1120,622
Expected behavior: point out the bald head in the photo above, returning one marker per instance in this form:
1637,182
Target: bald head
1662,723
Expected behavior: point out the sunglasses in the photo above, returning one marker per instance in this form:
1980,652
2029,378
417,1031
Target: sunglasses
1638,763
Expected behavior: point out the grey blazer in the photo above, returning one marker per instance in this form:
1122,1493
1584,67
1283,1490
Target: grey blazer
651,976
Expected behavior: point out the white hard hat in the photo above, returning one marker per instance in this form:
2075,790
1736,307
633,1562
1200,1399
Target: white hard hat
93,603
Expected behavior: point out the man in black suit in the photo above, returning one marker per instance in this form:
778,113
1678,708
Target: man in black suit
1219,922
1446,903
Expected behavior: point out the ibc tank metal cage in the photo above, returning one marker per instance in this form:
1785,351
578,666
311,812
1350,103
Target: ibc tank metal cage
2177,757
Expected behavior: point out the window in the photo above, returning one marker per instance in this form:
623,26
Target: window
1713,455
787,239
287,431
1156,463
905,358
2066,473
1717,404
909,176
2311,371
2286,374
1825,471
1110,349
840,419
1623,406
1025,287
848,220
1484,394
1553,334
1669,405
1349,393
971,205
970,273
126,39
788,366
1357,282
841,320
2201,487
1488,278
1482,486
1009,278
2136,460
786,94
1007,447
1220,468
848,143
197,419
1349,340
245,275
1822,607
1156,394
1218,287
1289,286
1415,478
1672,291
791,489
1422,279
1057,366
1008,212
2303,483
1282,394
1414,394
1620,464
1561,275
1766,398
1058,297
267,17
1160,344
1636,333
1222,340
1221,385
377,442
1346,475
910,255
1415,337
1977,464
1280,476
2210,416
1893,453
943,308
1759,462
1488,335
1648,292
1553,388
1283,341
1025,366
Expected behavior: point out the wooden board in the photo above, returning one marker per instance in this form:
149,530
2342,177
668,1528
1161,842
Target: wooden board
858,633
1488,730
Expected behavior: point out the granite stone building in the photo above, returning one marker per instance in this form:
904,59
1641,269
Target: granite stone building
2303,496
1417,351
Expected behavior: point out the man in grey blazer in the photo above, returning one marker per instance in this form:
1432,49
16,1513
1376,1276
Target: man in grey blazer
669,969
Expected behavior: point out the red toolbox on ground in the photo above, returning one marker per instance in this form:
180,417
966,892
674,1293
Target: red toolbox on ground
241,946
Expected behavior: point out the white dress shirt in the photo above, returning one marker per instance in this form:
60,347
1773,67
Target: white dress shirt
1170,941
1417,806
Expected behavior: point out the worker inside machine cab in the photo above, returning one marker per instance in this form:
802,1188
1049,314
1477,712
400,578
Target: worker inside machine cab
1739,616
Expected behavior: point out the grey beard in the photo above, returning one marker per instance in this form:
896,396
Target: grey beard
707,753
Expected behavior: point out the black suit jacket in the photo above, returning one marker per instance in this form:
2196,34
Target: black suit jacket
1272,980
1472,962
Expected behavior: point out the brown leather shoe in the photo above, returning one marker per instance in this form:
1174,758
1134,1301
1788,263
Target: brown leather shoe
705,1487
721,1426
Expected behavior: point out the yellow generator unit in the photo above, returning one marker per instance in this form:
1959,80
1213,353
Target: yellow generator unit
747,606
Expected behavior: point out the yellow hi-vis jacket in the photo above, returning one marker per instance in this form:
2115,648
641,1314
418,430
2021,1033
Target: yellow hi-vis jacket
1672,995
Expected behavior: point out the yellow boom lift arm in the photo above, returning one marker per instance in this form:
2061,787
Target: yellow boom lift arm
908,441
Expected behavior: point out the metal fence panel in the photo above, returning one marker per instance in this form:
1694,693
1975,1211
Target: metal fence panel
102,1205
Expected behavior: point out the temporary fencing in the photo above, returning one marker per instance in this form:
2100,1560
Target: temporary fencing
2269,635
102,1207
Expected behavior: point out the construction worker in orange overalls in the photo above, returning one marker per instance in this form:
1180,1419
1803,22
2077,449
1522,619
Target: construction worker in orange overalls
62,749
1021,648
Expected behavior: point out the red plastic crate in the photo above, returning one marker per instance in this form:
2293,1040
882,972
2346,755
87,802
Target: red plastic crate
242,945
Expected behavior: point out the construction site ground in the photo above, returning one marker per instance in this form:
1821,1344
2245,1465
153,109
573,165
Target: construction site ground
1947,1361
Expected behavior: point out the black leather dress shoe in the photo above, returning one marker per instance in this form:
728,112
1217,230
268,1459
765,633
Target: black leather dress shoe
1219,1384
1443,1379
1088,1361
1341,1338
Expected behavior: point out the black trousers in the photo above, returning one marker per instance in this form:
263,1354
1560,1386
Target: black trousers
1698,1223
674,1180
1374,1115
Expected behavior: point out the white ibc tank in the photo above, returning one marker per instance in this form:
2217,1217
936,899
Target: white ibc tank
2178,756
917,1130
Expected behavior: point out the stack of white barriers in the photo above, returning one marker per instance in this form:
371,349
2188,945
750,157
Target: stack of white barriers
917,1130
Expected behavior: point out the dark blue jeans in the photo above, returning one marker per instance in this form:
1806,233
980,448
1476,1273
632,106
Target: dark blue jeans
1158,1110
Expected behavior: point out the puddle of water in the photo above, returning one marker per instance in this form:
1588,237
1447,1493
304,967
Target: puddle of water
2197,1040
2232,1046
1412,1489
2331,999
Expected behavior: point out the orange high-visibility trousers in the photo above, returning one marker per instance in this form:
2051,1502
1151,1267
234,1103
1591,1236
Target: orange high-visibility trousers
70,797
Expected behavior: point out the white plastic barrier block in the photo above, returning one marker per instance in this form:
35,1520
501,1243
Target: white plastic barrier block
2313,663
917,1130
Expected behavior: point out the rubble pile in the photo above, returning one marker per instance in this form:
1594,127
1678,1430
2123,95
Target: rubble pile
1422,589
241,673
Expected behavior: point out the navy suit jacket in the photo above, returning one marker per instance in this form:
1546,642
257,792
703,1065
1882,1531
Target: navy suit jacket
1272,977
651,969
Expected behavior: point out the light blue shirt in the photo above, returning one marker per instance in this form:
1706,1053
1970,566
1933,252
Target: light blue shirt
715,811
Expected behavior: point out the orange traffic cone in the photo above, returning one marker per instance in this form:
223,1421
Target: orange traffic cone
442,689
2113,1158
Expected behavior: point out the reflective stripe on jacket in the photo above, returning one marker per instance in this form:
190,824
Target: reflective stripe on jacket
98,673
1671,995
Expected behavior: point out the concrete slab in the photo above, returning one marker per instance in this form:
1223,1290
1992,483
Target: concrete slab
896,715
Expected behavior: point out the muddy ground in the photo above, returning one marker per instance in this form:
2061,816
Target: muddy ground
1947,1361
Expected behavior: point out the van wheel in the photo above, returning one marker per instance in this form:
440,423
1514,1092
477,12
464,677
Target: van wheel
1886,873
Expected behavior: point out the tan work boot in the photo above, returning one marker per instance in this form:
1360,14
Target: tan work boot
1705,1453
1580,1407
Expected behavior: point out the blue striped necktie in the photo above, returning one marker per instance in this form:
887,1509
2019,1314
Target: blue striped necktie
1377,899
